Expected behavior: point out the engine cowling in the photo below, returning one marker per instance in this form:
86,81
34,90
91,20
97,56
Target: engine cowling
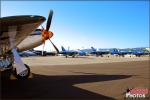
30,42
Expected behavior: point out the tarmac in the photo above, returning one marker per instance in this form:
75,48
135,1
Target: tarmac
88,78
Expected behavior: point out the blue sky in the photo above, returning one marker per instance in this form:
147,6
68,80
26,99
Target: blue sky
82,24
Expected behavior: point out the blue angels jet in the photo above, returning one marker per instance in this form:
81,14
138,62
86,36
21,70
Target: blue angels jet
72,53
20,33
120,52
99,52
139,52
134,51
27,53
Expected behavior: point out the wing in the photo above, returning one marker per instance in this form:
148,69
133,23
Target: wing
19,27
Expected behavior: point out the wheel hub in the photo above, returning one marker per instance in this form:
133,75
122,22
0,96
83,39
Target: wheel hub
24,73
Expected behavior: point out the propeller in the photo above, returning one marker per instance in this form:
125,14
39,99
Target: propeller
46,34
54,46
49,20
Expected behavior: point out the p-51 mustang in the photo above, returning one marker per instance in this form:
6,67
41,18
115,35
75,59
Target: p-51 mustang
19,33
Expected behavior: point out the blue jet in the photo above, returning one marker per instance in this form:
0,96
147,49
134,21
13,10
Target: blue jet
99,52
73,53
120,52
139,52
27,53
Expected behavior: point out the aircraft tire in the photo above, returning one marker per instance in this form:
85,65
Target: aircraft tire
24,75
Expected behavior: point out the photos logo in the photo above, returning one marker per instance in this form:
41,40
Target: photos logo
137,93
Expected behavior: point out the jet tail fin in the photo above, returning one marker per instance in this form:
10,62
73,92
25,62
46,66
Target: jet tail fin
63,49
93,48
116,50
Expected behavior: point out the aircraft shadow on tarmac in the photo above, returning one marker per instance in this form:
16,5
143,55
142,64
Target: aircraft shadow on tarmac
55,87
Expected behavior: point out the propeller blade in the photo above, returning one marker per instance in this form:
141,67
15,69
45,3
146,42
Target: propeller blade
54,46
48,24
42,27
43,49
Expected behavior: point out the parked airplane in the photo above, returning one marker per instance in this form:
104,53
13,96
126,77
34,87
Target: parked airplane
67,53
27,53
132,51
44,53
73,53
17,34
120,52
40,52
99,52
81,52
139,52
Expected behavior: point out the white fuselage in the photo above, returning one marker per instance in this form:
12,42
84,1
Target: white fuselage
30,42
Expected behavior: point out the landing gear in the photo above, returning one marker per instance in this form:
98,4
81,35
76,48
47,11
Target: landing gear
73,56
66,56
24,75
22,71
